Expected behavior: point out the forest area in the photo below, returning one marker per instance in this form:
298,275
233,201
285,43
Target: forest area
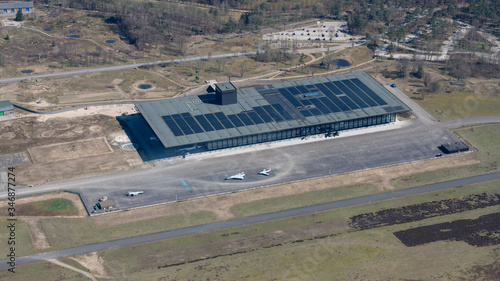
147,22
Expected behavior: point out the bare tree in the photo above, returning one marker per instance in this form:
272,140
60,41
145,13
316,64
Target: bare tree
403,68
243,69
220,63
181,42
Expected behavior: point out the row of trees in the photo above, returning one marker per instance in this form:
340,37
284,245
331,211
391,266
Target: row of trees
145,23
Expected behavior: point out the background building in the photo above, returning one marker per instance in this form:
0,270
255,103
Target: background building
13,7
235,117
6,108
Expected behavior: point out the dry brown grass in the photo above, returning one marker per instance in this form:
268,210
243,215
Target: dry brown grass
69,150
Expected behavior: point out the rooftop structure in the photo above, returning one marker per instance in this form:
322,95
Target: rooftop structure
272,112
13,7
6,108
225,93
455,147
108,204
6,105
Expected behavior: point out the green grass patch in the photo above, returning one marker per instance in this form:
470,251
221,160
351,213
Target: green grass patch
457,105
56,206
22,239
84,231
302,199
342,255
51,207
484,138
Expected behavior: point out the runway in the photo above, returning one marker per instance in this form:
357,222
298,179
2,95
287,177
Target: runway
248,220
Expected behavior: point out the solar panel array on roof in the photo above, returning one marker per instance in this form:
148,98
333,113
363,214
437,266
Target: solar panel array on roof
186,124
268,108
328,97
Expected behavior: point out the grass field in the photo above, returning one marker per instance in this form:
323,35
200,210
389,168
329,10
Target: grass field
51,207
42,271
81,231
303,199
22,238
485,140
457,105
374,254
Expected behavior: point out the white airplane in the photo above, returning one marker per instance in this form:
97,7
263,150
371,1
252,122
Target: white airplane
240,176
265,172
134,193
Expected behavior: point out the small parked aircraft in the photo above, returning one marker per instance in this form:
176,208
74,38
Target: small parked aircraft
239,176
265,172
134,193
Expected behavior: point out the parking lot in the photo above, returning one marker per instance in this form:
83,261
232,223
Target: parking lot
322,31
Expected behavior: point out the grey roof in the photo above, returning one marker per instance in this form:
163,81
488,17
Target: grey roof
16,5
6,105
311,106
227,86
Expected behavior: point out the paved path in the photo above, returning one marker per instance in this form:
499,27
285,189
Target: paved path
132,66
249,220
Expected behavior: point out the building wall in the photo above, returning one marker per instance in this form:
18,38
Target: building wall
7,112
301,132
14,10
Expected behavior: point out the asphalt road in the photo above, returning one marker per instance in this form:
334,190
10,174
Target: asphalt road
122,67
249,220
136,65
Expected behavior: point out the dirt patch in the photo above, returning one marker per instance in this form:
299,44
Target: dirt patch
41,173
69,150
81,131
8,136
38,237
422,211
221,205
92,262
480,232
72,268
31,132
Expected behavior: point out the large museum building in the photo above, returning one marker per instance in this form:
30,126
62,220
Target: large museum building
232,117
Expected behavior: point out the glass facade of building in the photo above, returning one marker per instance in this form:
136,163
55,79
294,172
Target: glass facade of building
301,132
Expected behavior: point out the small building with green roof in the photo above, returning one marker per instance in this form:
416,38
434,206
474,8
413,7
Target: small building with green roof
6,108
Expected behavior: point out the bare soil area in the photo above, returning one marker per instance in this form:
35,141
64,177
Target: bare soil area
118,161
423,211
30,132
58,134
69,150
479,232
93,262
